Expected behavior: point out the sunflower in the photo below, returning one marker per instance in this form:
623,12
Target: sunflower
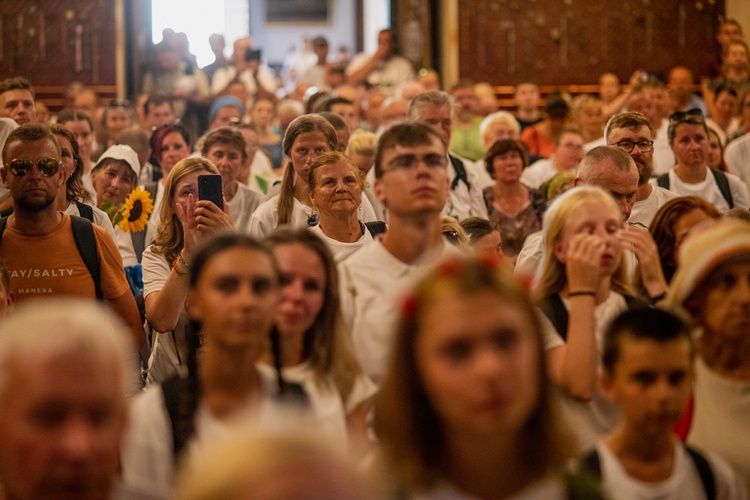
135,211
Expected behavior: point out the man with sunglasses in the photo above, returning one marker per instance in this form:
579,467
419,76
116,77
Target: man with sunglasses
632,133
49,252
691,176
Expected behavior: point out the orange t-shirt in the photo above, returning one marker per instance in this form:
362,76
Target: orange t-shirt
51,264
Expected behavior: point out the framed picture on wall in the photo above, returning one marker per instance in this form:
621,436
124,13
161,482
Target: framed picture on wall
297,11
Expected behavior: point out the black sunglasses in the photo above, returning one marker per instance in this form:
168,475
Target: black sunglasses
689,116
47,166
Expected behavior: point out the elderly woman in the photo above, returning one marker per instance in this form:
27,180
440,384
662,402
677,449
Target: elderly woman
515,208
495,126
336,184
712,285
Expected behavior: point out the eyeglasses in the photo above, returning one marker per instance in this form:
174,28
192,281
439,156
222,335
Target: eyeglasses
411,162
572,147
114,103
694,115
47,166
644,146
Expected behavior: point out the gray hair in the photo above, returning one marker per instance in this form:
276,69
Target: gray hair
51,328
431,97
591,166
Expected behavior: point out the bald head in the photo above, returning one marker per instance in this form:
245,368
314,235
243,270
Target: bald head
612,169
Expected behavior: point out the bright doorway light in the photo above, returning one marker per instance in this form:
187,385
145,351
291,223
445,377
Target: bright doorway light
196,18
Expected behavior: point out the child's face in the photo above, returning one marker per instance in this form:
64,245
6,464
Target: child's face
651,383
478,361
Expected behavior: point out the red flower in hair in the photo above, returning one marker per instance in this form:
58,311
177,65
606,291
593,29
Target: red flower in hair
409,306
449,267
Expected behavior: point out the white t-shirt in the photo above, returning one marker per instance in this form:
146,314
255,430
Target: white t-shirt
147,448
100,218
683,484
644,210
590,420
720,417
709,190
341,250
372,284
223,76
328,409
663,155
387,75
265,219
737,158
242,206
153,222
539,172
462,201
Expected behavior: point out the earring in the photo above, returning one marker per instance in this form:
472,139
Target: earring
312,221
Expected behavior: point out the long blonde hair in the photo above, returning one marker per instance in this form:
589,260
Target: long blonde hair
301,125
169,236
554,278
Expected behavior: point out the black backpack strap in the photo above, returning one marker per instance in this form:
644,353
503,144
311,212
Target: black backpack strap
555,310
704,471
461,175
376,227
171,389
139,243
723,184
591,464
86,211
83,234
3,221
7,212
663,180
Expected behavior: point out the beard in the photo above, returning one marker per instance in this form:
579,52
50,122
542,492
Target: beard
645,171
35,205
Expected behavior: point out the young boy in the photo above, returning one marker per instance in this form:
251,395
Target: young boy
648,373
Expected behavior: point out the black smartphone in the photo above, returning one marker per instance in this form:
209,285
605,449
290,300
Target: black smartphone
252,55
209,188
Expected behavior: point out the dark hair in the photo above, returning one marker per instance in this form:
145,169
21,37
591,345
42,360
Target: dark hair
29,132
328,104
477,228
502,146
189,398
556,107
16,83
73,115
156,100
405,134
335,120
225,135
641,324
74,190
157,139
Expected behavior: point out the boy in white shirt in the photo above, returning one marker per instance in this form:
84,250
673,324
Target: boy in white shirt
648,373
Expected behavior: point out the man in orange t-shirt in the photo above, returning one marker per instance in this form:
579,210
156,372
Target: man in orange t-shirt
38,245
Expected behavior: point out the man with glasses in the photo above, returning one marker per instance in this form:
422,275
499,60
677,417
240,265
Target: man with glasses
49,252
412,181
632,133
566,159
691,176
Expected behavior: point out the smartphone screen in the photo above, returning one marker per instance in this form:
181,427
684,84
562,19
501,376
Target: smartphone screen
209,188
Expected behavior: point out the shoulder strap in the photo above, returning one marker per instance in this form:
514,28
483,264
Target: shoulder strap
723,184
86,211
3,221
170,389
83,234
461,175
636,302
663,180
139,243
704,471
151,188
6,212
591,465
555,310
376,227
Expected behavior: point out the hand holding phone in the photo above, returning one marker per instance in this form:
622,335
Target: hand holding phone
210,188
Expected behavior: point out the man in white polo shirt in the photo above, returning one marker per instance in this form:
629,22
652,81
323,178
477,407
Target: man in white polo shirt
411,179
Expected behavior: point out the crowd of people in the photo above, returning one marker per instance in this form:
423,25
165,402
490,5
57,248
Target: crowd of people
354,284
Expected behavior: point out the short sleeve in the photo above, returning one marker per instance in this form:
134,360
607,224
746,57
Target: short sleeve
364,389
155,271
